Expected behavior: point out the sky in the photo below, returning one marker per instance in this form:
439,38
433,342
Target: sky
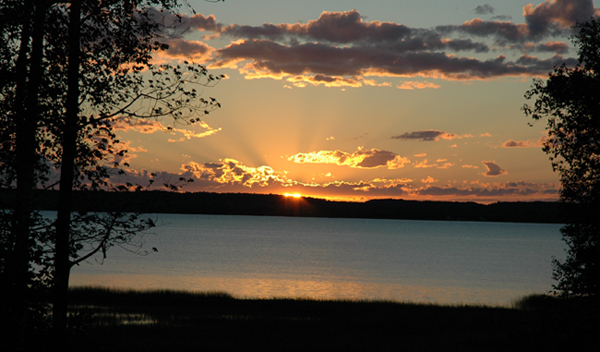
358,100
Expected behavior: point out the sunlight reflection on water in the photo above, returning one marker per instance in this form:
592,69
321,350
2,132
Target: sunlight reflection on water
265,257
284,288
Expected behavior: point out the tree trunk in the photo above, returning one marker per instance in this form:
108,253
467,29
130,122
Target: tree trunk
18,264
69,145
28,72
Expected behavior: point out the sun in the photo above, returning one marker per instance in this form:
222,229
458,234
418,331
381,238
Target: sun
293,195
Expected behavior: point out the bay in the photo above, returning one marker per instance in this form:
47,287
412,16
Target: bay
446,262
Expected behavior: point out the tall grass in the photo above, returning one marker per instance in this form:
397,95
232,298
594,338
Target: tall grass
167,320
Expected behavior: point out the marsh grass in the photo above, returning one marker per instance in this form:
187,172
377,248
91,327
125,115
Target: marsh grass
165,320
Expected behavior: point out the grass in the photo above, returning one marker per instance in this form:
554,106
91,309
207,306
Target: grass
165,320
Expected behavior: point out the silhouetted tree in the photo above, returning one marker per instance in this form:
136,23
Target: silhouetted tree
71,68
570,101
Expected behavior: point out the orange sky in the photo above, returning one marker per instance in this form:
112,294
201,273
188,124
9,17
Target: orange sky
359,100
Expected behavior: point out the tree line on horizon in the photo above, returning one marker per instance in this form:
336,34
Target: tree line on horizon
167,202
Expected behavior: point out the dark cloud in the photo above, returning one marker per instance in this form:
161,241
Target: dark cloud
477,27
334,27
501,17
557,15
545,65
380,49
348,28
494,191
553,17
516,144
178,25
429,135
188,49
270,58
553,47
484,9
493,169
341,49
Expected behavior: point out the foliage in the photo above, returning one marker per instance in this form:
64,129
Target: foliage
98,55
570,102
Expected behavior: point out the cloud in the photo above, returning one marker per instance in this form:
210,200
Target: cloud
341,49
273,60
174,26
553,46
501,17
484,9
230,175
152,126
188,134
427,135
417,85
429,179
493,169
335,27
188,50
519,190
362,158
232,172
523,144
142,126
424,165
553,15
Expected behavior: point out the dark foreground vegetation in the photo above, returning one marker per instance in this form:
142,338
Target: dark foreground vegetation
118,320
279,205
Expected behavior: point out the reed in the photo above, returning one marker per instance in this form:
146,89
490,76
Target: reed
169,320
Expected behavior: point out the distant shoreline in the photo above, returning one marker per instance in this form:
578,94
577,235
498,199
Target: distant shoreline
279,205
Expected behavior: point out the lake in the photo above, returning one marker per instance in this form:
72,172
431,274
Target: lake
444,262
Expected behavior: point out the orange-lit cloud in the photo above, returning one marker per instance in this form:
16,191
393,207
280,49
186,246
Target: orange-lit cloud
153,126
188,134
230,171
229,175
429,179
424,165
417,85
141,126
366,159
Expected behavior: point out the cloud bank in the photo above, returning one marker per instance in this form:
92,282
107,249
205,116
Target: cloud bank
230,175
364,159
342,49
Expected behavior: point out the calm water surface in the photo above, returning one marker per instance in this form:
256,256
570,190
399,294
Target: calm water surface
418,261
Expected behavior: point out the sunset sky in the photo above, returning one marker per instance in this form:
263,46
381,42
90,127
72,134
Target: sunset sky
355,100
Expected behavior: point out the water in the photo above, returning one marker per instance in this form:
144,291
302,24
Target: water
417,261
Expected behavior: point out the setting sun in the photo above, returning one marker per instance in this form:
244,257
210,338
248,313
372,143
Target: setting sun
294,195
